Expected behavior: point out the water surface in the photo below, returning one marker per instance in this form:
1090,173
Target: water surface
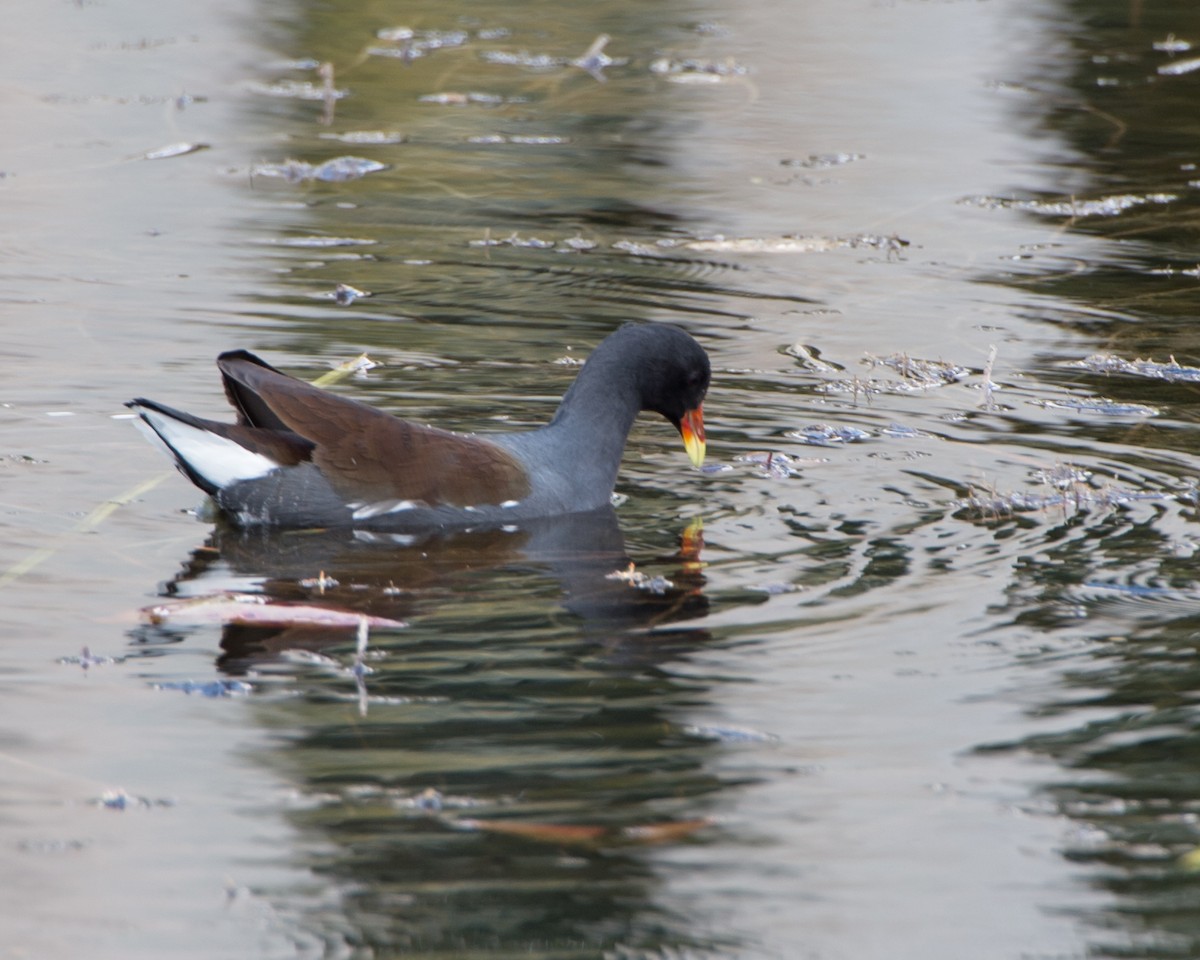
923,688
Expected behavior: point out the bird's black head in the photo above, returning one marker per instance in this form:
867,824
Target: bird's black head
672,374
676,372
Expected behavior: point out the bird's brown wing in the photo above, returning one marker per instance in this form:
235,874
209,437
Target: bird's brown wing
368,455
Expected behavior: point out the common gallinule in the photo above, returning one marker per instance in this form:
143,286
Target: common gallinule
302,456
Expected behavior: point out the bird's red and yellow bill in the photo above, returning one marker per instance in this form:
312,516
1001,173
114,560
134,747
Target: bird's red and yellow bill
691,428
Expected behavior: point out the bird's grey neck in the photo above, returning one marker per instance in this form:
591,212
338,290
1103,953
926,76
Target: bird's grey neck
577,455
595,418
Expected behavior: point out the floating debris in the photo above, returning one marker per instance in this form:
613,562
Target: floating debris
635,578
173,150
344,295
809,359
406,52
825,435
873,387
777,466
256,610
1109,364
337,170
1177,271
1063,476
697,71
522,58
637,249
302,63
293,171
360,670
1178,67
120,800
451,99
87,660
729,734
357,367
1101,406
366,137
412,44
988,399
513,240
395,34
902,432
330,98
793,244
774,588
526,139
212,689
440,39
431,801
994,505
595,59
576,244
320,583
1073,207
428,800
340,169
923,373
297,90
786,244
1172,44
320,242
823,161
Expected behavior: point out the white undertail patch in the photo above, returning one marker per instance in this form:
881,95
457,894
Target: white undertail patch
219,461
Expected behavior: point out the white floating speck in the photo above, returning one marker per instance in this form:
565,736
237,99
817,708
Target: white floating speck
173,150
1172,44
1177,67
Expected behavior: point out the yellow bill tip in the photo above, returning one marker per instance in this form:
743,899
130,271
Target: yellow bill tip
691,428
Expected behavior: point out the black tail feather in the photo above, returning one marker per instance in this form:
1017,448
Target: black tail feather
252,411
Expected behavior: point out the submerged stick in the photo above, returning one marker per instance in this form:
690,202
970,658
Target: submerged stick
988,401
90,522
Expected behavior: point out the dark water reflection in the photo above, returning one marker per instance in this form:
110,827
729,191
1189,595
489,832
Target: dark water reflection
527,694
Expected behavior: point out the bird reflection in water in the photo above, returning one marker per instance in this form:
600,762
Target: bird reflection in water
524,739
576,563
